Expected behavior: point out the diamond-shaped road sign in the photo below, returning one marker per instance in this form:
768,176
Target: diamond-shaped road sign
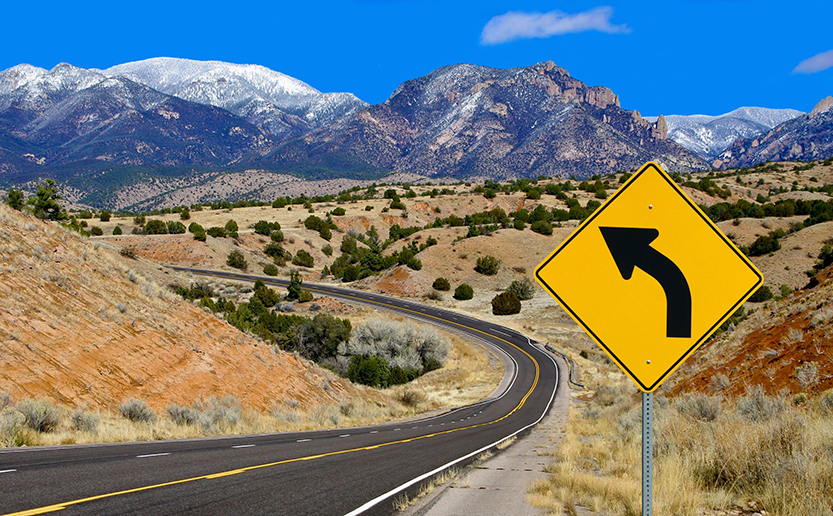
648,276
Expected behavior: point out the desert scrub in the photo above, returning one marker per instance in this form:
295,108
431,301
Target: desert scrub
709,453
137,411
84,421
40,415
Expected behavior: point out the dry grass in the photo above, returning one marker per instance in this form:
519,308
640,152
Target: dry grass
403,501
710,454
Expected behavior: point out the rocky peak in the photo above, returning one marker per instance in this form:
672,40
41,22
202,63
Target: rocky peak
662,127
822,106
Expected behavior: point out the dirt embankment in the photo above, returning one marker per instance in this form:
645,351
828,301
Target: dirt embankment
80,324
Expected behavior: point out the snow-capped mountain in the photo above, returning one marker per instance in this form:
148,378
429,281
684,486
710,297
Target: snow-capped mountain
805,138
708,136
278,103
70,121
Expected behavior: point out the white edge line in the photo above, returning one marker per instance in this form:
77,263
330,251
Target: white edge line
422,477
152,455
8,470
244,446
303,440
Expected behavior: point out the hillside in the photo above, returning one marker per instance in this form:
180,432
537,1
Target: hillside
83,325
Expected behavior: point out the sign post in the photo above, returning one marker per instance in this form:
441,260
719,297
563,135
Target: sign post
649,277
647,453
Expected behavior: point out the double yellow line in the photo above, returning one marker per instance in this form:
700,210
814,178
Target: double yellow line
63,505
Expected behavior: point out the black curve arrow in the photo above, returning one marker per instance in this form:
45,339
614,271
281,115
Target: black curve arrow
631,247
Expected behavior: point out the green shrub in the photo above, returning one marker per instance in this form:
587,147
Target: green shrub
463,292
519,224
303,259
293,290
199,235
764,244
237,261
487,265
325,233
276,236
372,371
137,411
368,208
541,226
414,263
15,200
117,230
96,231
338,211
231,228
523,289
104,216
270,269
762,294
185,214
195,228
305,296
175,228
327,250
156,227
266,228
216,232
139,220
506,303
396,204
441,284
40,415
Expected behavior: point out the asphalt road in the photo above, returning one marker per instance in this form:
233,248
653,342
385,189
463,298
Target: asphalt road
333,472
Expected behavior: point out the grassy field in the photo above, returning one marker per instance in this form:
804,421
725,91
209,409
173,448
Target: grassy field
712,456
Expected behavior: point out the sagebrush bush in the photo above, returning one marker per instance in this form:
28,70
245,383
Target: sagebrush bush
756,405
487,265
522,288
137,411
411,398
401,345
506,303
84,421
699,406
182,415
218,413
40,415
270,269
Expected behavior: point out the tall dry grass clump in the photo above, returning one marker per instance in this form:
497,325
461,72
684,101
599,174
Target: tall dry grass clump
710,453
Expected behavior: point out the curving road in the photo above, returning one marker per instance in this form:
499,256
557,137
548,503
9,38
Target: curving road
333,472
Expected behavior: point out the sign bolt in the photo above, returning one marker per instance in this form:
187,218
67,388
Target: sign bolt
649,362
650,206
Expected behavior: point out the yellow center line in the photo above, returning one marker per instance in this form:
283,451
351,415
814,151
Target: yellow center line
64,505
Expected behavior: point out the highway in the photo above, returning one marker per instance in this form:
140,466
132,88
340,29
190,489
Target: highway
330,472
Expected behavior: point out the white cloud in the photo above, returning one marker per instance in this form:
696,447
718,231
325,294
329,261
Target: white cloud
519,25
816,63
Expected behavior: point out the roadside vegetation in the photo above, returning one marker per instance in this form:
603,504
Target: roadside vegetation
759,451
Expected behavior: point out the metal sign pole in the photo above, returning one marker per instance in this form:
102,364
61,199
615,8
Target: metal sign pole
647,453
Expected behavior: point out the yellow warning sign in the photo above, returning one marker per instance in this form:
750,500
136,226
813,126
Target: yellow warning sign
648,276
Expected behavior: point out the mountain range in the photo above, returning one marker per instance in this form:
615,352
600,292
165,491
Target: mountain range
804,138
164,119
708,136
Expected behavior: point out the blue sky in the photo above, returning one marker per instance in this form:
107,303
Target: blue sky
670,57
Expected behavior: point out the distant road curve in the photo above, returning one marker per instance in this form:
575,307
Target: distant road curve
345,471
